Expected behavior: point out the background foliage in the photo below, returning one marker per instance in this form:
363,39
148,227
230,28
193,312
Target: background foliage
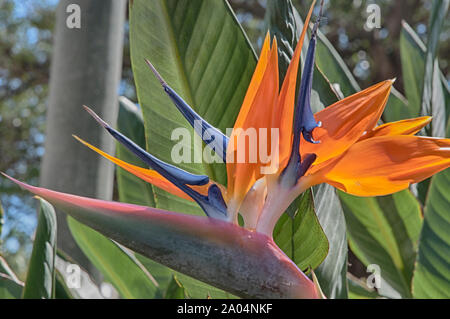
25,48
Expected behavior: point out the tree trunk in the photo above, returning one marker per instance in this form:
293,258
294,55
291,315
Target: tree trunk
85,69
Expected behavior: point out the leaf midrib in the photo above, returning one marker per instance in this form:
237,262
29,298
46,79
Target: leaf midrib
187,90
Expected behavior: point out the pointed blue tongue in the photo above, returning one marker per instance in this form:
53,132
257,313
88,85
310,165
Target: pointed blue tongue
213,204
208,133
304,121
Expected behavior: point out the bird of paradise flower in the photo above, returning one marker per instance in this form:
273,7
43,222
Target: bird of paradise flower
340,145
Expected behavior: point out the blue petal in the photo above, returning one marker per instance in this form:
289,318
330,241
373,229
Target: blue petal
214,206
304,121
218,141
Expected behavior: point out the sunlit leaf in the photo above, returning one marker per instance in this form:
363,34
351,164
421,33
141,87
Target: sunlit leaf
384,231
431,275
432,102
201,51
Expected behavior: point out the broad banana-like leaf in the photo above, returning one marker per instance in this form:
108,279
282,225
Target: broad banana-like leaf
431,276
384,231
122,270
198,246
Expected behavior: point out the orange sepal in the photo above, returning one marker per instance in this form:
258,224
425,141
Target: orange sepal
386,164
345,121
149,175
243,174
403,127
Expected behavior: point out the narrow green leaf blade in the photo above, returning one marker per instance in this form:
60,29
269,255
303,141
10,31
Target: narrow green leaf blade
40,280
412,54
10,286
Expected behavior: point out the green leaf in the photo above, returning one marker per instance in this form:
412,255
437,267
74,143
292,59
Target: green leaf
431,274
136,191
61,289
332,273
333,66
384,231
175,290
194,288
9,288
40,280
412,54
299,234
131,188
5,269
357,289
201,51
120,268
432,95
284,22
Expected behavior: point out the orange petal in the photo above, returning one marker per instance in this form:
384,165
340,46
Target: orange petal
254,83
403,127
283,117
243,174
345,121
386,164
148,175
